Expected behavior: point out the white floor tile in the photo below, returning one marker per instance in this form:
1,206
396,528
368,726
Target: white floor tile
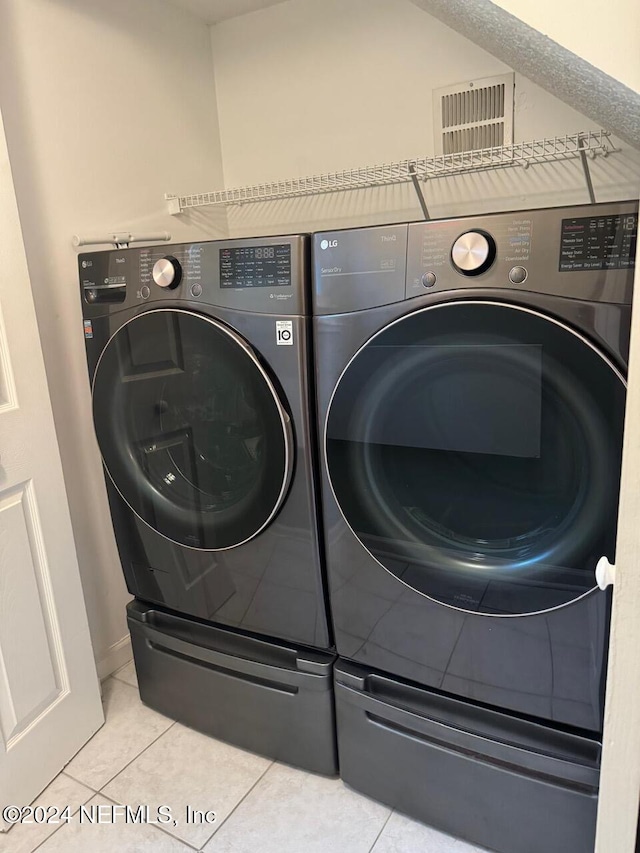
402,835
110,837
127,673
130,727
183,768
63,791
290,811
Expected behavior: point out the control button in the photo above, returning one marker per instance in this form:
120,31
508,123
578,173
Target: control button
167,272
473,252
518,274
145,292
196,290
428,279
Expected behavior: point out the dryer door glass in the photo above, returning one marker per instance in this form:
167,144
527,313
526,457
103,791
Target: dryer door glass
474,448
191,429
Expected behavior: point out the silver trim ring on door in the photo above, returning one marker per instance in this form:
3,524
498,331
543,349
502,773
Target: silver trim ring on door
285,420
449,304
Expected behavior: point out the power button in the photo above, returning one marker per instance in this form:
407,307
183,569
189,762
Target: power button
428,279
517,275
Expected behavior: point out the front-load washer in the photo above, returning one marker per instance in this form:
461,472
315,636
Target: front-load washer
471,397
199,359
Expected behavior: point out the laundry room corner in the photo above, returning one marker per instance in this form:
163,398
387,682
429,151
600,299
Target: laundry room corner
366,71
96,137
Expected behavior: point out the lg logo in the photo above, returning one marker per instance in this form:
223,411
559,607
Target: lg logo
328,244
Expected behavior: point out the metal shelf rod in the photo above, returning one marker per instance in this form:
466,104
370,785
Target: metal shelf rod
525,154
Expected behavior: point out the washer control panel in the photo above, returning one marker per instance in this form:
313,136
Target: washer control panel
267,275
256,266
167,272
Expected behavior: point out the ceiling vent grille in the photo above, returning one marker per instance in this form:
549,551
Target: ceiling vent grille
474,115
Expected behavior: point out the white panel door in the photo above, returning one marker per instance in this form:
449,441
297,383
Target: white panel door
49,693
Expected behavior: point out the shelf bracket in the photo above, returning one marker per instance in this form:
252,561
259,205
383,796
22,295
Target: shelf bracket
173,204
416,185
586,170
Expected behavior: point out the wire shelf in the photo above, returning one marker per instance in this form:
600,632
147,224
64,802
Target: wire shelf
524,154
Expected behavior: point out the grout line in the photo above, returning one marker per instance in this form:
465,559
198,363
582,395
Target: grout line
57,829
382,829
122,681
75,812
175,837
66,773
135,758
95,734
116,803
239,803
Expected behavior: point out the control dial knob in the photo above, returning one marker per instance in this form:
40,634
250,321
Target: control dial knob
167,272
473,252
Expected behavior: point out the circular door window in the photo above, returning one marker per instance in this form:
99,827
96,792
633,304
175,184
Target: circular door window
474,448
191,429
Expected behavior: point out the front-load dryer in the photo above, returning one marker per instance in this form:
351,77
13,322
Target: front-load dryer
471,398
199,359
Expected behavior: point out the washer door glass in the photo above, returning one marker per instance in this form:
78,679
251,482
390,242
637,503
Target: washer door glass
474,449
191,429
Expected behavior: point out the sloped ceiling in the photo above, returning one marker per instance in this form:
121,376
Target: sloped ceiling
575,81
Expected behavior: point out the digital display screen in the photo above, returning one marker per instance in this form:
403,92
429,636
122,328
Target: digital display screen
256,266
599,243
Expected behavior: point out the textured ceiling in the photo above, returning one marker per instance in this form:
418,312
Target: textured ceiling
214,11
575,81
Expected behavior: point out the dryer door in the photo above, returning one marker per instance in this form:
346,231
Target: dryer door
474,449
191,429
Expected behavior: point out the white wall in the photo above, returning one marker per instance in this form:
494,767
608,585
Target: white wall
310,86
606,35
107,105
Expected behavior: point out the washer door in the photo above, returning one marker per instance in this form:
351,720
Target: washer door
474,449
191,429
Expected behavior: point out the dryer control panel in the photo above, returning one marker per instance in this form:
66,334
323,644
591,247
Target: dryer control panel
598,242
583,252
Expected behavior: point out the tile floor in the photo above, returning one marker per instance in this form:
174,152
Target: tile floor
142,758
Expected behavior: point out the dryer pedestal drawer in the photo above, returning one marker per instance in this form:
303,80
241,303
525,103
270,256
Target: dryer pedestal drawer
506,784
271,698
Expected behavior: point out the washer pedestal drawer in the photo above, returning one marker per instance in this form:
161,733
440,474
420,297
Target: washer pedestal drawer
271,698
504,783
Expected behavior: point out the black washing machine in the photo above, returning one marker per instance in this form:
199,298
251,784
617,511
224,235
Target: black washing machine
199,360
471,398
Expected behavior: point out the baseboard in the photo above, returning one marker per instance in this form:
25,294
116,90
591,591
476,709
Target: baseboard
116,656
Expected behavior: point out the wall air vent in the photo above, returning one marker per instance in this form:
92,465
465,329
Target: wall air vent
474,115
